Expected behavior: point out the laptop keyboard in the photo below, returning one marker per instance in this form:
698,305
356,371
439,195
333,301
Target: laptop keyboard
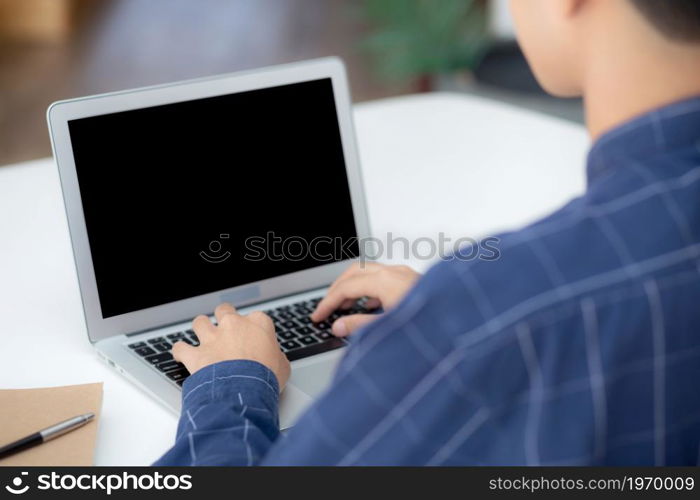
297,335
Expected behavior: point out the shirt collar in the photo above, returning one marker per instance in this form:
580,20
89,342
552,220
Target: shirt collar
665,129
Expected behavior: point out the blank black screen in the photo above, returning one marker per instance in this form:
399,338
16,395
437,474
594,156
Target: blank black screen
159,184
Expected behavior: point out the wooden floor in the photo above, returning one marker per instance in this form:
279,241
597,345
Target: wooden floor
129,43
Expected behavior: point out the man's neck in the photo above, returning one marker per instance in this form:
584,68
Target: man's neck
624,83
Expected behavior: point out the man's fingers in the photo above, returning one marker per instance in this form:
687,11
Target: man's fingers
347,304
357,286
358,267
182,351
346,325
202,326
222,310
373,303
262,320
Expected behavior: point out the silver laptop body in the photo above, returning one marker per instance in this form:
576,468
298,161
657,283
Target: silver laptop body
165,186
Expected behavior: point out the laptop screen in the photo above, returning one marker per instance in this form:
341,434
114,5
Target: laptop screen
194,197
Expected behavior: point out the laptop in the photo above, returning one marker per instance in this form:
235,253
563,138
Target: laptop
244,188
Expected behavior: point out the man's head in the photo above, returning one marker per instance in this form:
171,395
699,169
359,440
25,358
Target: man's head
560,37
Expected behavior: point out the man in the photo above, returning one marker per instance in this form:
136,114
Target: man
581,345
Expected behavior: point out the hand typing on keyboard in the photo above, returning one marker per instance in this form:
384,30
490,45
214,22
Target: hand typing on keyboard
250,337
287,333
386,285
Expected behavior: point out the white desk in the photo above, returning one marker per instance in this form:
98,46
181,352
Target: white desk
441,162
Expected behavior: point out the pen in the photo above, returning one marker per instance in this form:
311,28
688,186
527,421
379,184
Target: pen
45,434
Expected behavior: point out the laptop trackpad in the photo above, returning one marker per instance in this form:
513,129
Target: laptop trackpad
314,375
293,402
310,377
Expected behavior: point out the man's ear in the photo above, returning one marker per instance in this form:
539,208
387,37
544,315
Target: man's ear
570,8
567,9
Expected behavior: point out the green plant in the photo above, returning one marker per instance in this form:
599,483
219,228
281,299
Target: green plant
411,38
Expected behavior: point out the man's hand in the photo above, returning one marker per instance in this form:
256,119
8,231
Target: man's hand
250,337
385,285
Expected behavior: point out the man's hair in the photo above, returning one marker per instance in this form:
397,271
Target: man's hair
676,19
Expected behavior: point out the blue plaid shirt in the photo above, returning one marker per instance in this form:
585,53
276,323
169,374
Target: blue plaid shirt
579,346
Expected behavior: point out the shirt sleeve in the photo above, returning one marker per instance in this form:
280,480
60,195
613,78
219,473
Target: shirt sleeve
229,416
396,382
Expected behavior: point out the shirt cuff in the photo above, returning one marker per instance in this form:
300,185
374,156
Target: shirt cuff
243,382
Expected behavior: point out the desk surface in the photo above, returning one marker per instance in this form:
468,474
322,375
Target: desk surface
432,163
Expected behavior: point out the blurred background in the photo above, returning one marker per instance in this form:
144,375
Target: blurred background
57,49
